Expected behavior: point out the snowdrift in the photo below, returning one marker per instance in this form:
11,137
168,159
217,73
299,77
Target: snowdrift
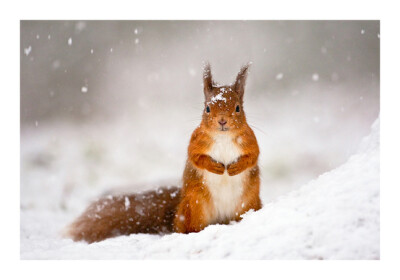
335,216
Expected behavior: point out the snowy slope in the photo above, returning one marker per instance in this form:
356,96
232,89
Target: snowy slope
335,216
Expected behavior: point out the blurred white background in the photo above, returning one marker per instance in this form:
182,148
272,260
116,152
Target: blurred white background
106,104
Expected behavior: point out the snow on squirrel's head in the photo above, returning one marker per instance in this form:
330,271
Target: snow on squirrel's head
223,106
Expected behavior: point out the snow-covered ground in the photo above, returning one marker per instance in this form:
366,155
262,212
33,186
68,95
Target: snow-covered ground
335,216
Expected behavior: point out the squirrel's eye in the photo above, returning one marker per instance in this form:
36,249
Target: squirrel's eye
208,109
237,108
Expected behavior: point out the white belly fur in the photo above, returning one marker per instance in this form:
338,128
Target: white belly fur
226,191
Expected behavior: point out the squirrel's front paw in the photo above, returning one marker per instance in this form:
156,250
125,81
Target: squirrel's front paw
234,169
217,168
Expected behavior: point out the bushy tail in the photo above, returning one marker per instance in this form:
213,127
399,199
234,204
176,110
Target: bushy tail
148,212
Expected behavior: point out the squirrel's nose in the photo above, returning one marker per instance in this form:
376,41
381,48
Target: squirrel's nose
222,122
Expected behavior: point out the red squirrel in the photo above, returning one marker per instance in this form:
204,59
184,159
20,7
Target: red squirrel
221,180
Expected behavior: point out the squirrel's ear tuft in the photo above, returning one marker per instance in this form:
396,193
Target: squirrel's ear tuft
207,80
241,80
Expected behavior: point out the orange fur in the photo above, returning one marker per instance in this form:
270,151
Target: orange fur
196,210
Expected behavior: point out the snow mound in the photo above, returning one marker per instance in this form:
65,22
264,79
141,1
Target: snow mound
335,216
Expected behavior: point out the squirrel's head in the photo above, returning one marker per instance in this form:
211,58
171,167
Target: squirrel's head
223,106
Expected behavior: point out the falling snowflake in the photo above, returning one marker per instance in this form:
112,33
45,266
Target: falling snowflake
27,50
